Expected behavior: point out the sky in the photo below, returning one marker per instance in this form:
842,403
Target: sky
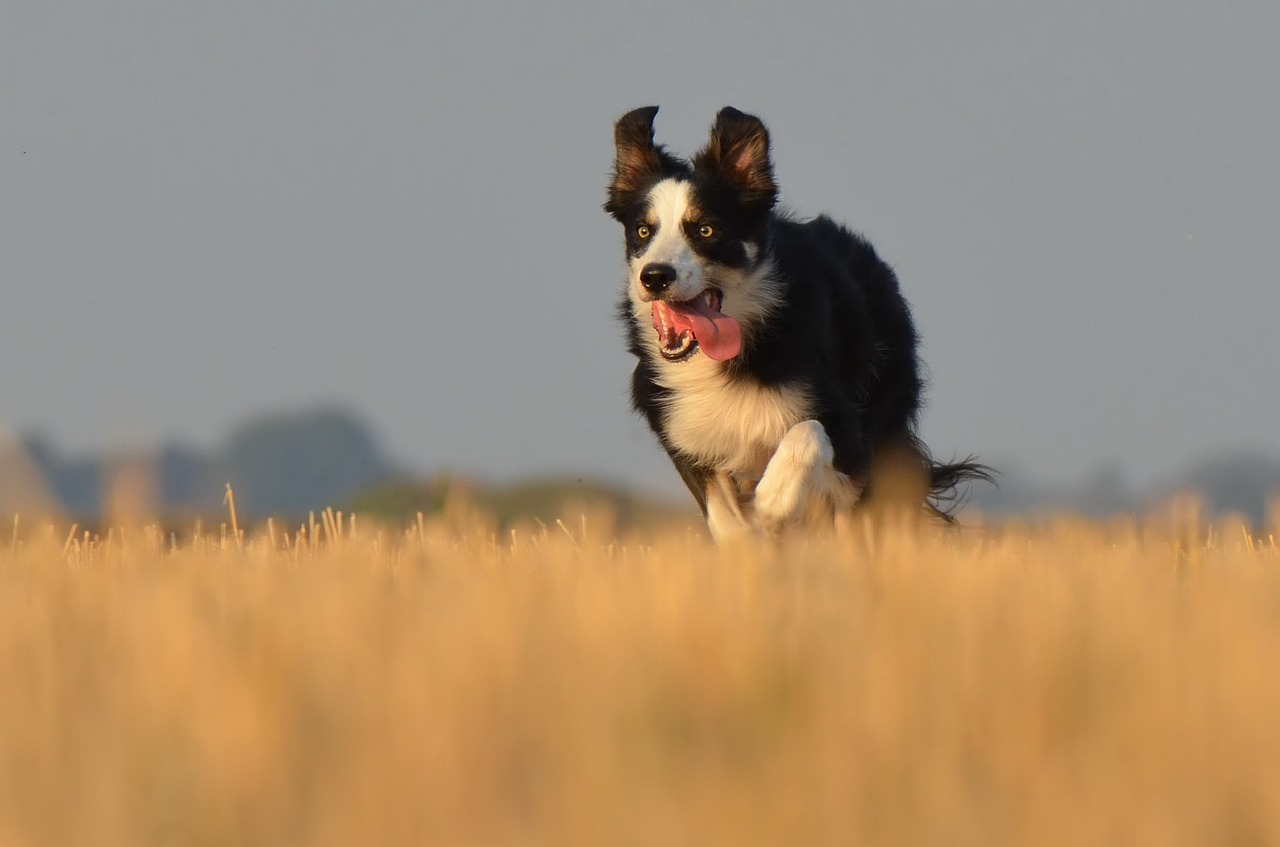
213,210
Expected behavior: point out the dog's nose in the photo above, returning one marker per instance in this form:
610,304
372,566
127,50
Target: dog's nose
655,277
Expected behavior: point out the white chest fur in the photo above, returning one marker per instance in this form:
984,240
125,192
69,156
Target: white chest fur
732,426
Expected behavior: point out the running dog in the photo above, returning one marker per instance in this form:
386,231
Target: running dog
777,357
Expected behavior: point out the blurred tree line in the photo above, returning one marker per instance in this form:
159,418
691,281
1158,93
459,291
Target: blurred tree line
1244,482
286,465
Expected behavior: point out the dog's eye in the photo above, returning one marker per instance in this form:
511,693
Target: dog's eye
706,230
643,231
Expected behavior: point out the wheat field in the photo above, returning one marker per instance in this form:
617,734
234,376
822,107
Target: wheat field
343,683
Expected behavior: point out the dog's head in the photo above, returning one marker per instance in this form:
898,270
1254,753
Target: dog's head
696,232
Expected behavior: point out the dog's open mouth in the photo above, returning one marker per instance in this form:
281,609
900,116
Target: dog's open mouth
697,324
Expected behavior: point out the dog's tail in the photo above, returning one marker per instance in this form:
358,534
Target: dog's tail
948,484
904,473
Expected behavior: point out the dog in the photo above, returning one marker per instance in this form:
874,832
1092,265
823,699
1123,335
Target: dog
777,358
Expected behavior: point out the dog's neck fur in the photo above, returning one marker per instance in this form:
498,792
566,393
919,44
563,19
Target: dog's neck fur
717,416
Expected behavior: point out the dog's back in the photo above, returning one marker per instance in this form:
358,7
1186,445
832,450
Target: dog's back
867,334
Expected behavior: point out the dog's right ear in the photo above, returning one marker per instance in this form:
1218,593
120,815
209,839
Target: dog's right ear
638,158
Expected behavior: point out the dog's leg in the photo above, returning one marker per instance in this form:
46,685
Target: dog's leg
725,518
800,486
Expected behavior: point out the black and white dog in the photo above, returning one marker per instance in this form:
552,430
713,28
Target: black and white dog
777,357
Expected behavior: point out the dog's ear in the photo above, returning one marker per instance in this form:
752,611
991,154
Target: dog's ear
638,158
739,152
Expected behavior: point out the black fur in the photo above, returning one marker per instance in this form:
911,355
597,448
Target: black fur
844,329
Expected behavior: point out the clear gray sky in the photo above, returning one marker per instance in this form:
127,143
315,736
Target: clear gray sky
209,210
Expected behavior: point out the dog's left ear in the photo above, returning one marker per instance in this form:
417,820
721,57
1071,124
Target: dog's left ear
739,152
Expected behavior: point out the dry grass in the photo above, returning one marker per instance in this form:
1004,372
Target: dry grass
1073,683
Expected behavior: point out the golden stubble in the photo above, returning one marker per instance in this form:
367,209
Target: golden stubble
1063,682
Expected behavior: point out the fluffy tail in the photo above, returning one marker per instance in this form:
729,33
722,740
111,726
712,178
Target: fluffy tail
903,473
946,495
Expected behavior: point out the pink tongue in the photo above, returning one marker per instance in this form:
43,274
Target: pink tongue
717,334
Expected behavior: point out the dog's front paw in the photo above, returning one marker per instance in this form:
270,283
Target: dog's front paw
795,486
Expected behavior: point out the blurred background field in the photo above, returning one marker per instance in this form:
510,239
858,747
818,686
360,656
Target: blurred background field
444,681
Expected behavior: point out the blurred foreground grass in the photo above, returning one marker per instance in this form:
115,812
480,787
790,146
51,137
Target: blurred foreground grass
1068,683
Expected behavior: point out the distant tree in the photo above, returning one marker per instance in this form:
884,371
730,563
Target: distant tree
1242,482
287,465
1104,492
188,480
76,483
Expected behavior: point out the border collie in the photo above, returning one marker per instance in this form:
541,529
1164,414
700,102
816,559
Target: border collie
777,357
